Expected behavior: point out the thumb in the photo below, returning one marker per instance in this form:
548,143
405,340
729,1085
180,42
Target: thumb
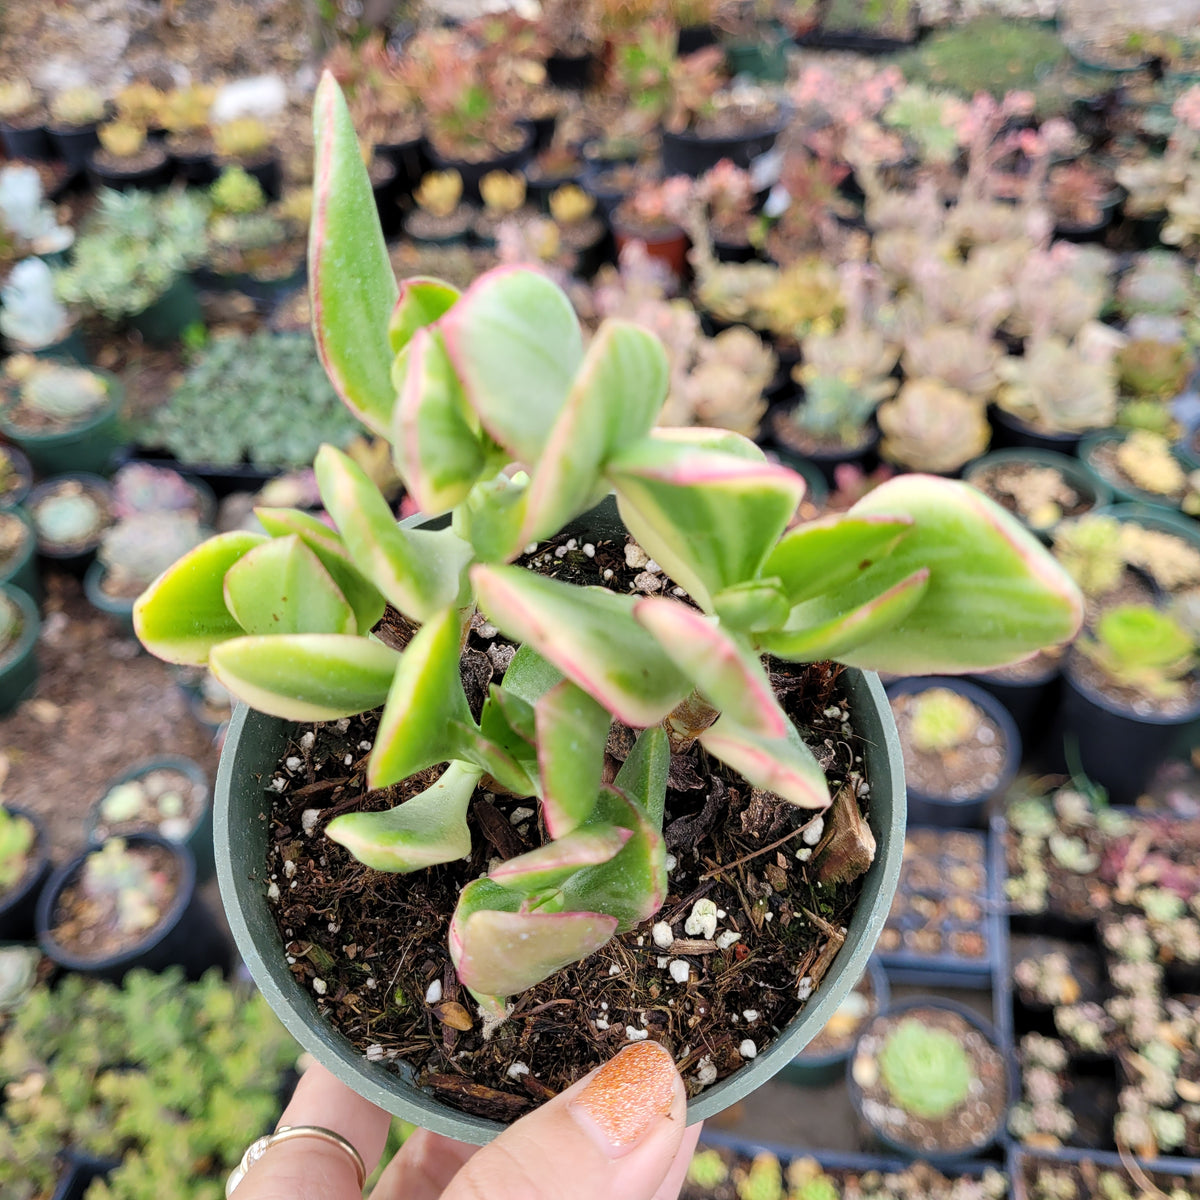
615,1133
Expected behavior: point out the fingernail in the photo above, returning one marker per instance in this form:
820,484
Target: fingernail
627,1095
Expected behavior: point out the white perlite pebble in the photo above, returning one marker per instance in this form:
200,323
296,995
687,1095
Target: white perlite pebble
319,986
812,835
289,868
663,938
279,783
662,960
560,552
292,763
364,745
671,862
374,1054
679,970
727,938
272,891
433,993
768,916
531,548
636,1035
805,989
751,1015
589,550
614,970
348,760
372,984
635,557
702,920
608,572
653,567
306,740
721,914
519,814
748,1049
572,544
309,818
604,1005
706,1072
343,725
601,1024
517,1070
804,853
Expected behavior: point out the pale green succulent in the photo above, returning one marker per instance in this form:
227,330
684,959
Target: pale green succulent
927,1071
17,836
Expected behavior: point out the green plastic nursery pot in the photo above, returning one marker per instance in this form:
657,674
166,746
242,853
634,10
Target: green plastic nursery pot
88,447
70,347
254,746
200,839
1153,516
164,321
1125,492
121,610
19,664
22,571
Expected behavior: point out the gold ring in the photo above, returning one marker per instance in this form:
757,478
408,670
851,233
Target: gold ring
286,1133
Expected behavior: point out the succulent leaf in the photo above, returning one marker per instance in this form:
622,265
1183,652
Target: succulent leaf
755,604
551,864
572,730
353,288
643,775
784,765
182,615
422,301
529,676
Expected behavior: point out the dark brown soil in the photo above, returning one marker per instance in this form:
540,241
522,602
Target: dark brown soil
191,145
789,434
969,1124
149,156
1084,1179
1103,459
1009,485
962,773
88,927
422,224
376,942
1136,701
734,121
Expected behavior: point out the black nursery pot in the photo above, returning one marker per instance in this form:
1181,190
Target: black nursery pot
690,154
543,131
473,172
80,1171
1118,749
75,560
1031,703
572,72
196,170
866,456
152,179
75,144
269,174
410,162
31,144
18,907
970,813
1012,431
187,936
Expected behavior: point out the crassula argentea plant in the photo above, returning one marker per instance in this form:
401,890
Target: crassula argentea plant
500,416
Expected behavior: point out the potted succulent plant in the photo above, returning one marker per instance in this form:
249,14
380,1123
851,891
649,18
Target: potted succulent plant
22,121
1142,467
28,219
1082,198
246,142
169,796
31,318
503,195
961,748
19,626
185,115
556,166
126,158
24,866
16,478
18,546
64,417
70,514
440,218
507,356
75,114
579,229
654,214
930,1081
130,902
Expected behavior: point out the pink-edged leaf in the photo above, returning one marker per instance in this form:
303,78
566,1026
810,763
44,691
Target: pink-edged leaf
353,288
549,865
282,587
995,595
708,518
436,443
834,625
529,676
425,705
572,730
515,343
588,634
727,673
720,441
823,555
499,951
419,570
422,301
614,401
360,593
427,829
632,885
491,516
511,713
306,676
643,774
181,616
785,766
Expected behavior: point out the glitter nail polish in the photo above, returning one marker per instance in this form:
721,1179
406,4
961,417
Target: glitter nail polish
626,1096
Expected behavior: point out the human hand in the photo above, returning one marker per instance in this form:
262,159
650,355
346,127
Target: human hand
617,1134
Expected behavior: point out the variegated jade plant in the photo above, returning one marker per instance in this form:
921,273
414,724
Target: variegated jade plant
500,415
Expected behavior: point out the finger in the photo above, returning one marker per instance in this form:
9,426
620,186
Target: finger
312,1169
423,1168
614,1134
670,1187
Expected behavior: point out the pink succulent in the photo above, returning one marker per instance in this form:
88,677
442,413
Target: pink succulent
1187,108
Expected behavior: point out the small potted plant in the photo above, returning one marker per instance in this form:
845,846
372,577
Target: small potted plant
126,158
186,118
168,796
22,121
961,748
932,427
130,902
573,35
1142,467
510,352
555,167
1082,198
18,545
31,318
655,214
28,219
579,229
725,193
16,478
1153,367
503,195
24,858
929,1080
19,626
64,417
75,115
440,218
246,142
71,513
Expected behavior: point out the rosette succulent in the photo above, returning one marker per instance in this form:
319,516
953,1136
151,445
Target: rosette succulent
505,424
926,1070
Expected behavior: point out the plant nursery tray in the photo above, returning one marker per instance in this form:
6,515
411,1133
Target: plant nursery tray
1186,1169
856,41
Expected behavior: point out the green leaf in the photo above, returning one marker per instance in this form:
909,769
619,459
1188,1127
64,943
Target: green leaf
419,570
785,766
515,343
709,519
181,616
529,676
833,625
823,555
361,594
425,705
549,865
281,587
759,604
353,288
572,731
613,403
643,775
437,447
511,715
427,829
995,595
306,676
422,301
491,517
590,635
